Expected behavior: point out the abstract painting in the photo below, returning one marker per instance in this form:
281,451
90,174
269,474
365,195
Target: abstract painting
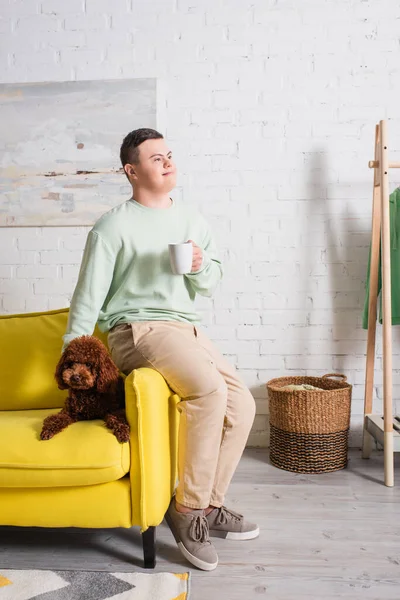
59,148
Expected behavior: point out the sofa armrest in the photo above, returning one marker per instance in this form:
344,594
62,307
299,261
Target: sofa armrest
151,410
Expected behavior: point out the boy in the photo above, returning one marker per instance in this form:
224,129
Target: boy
126,284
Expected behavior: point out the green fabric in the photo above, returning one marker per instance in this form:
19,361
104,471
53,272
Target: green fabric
394,210
125,274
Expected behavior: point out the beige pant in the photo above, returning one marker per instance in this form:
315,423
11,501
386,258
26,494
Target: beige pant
217,410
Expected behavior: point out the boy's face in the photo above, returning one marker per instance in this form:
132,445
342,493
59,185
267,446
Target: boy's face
155,170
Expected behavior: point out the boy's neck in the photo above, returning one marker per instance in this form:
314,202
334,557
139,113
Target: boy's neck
151,199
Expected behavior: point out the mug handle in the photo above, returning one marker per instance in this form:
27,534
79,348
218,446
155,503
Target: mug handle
340,375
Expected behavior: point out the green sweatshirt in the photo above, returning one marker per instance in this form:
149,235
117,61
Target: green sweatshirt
394,211
125,274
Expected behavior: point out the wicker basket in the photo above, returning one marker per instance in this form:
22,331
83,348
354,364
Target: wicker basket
309,428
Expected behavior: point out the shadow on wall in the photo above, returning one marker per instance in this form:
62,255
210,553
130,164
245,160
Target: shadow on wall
334,270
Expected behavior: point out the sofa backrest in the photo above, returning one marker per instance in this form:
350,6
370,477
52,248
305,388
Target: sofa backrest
30,348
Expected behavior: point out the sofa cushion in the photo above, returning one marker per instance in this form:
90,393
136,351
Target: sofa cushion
30,347
85,453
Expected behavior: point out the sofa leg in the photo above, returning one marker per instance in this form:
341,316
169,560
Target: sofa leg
149,547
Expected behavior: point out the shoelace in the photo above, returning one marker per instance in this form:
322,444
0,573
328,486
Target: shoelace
199,530
224,515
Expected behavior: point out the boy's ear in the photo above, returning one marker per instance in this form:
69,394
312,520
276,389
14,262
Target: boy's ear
129,170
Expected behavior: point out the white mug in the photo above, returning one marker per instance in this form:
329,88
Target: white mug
181,257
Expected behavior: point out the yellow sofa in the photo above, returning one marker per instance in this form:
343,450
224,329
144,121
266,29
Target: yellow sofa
82,477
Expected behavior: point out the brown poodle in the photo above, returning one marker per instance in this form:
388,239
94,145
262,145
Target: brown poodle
95,389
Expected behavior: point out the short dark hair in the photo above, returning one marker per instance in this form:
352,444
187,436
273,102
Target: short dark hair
129,152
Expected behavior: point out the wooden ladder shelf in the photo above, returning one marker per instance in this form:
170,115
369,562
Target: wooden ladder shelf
386,429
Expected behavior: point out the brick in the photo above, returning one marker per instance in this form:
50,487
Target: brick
342,364
52,39
101,71
51,286
255,361
174,51
15,287
107,6
283,318
214,178
226,317
328,317
40,57
38,242
5,272
75,242
80,56
36,272
13,303
70,271
272,269
249,301
86,23
199,164
249,317
45,72
52,257
6,62
305,362
217,205
119,44
225,163
222,301
15,257
195,31
59,7
42,23
224,99
6,27
238,347
220,332
228,131
131,22
147,8
59,301
22,8
211,147
221,16
192,6
257,332
36,304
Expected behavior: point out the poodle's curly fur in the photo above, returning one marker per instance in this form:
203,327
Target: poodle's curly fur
96,389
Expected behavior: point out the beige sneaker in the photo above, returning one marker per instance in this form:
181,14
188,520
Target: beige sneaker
191,533
227,524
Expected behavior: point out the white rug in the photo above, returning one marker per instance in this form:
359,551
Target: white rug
90,585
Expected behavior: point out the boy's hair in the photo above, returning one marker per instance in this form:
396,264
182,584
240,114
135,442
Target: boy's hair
129,152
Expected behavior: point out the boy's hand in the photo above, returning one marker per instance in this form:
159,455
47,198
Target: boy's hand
197,257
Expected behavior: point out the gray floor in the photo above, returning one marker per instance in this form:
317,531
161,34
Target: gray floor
323,536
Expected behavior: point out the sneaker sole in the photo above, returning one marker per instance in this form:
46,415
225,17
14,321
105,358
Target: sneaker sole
200,564
235,535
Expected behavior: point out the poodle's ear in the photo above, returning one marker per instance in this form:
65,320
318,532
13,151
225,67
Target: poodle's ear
59,372
107,372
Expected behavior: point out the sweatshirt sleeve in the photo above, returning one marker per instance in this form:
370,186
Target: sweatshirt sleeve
205,280
93,284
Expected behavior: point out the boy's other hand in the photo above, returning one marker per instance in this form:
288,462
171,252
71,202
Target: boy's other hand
197,257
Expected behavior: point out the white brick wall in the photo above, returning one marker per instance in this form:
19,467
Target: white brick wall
270,108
